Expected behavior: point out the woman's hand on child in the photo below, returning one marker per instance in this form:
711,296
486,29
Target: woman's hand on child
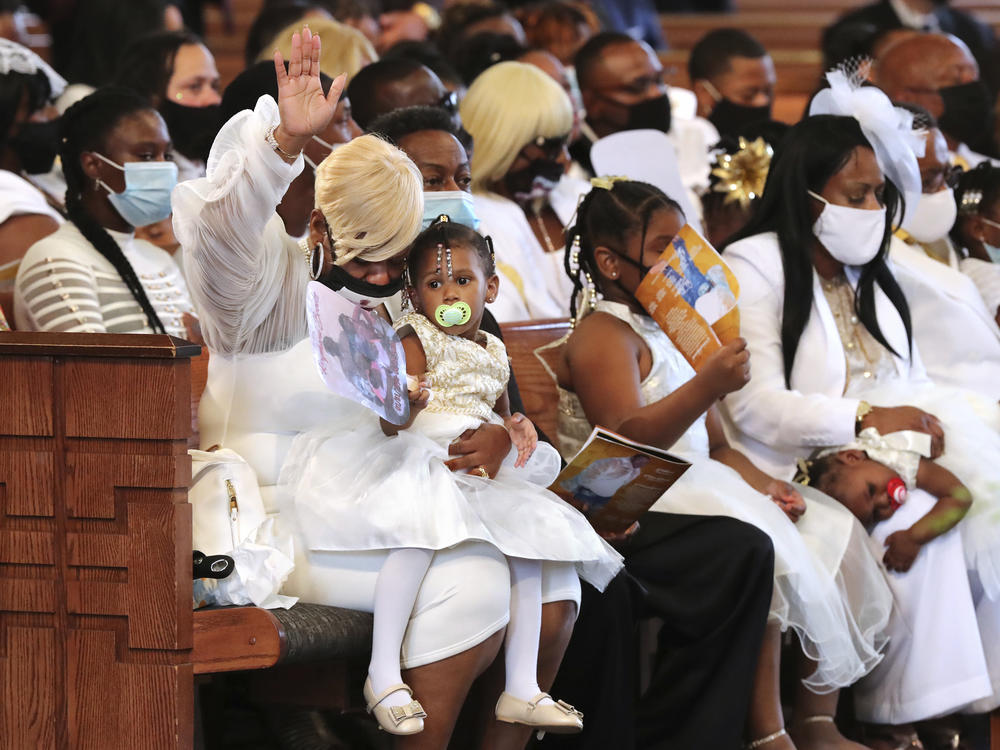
523,436
305,110
728,369
901,550
486,446
896,418
787,498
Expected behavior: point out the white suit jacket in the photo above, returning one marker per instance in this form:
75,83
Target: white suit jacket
958,337
775,425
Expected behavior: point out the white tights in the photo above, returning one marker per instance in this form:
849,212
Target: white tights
395,592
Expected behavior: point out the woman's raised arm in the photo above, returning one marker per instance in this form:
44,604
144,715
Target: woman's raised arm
236,255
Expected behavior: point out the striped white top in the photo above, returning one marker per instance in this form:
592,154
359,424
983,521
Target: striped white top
65,284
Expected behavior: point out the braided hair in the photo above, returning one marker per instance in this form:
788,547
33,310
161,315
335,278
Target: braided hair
85,127
605,217
977,191
447,233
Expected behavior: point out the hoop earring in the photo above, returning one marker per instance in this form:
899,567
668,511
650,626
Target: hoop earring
316,261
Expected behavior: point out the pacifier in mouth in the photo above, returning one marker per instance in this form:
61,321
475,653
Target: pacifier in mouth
896,489
453,315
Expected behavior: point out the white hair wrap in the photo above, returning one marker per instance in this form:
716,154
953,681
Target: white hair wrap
888,128
15,58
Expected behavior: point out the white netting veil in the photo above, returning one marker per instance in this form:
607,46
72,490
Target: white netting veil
14,58
888,128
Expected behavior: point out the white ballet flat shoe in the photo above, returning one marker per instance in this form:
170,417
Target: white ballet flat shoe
557,718
408,719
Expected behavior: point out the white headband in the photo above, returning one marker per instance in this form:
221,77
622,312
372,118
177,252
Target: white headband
888,128
15,58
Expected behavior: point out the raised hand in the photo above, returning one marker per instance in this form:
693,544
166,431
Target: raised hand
305,110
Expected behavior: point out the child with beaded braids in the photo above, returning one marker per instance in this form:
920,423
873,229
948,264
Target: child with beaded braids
618,369
403,498
92,274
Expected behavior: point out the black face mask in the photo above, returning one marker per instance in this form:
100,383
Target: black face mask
729,117
358,290
534,181
192,129
968,112
36,145
650,114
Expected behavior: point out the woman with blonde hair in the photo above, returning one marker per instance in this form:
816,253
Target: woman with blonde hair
248,280
520,120
345,49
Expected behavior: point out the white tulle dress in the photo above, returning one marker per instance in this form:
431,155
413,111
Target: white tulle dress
827,585
390,492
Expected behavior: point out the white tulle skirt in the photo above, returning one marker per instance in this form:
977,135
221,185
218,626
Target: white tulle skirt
972,453
827,585
361,490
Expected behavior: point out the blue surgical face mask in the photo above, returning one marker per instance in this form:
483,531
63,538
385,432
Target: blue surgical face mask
148,184
993,252
457,205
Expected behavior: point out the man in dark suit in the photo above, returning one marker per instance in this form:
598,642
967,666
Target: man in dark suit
856,30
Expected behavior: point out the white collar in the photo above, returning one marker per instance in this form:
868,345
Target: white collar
911,19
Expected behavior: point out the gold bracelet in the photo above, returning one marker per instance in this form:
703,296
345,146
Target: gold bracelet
273,143
864,409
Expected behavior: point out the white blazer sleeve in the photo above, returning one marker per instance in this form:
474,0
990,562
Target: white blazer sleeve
765,409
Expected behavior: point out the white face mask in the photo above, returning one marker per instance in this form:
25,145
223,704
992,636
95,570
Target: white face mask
933,217
852,236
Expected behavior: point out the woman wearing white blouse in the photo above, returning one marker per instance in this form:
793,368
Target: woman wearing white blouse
248,279
92,274
827,327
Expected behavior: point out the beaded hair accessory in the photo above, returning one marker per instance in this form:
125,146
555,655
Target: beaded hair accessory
970,201
741,176
588,299
446,252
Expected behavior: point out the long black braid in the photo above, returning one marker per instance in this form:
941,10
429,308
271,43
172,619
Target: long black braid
605,217
85,127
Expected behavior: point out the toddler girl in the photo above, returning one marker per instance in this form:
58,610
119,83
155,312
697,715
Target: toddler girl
402,497
873,476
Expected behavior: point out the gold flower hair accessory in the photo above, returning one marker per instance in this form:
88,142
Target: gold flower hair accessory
802,475
607,182
742,175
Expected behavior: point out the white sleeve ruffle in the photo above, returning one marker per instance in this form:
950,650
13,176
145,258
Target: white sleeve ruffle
246,275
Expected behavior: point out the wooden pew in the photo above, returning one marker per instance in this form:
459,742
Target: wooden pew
98,643
95,585
538,391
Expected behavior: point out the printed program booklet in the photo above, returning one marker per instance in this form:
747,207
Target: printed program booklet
614,480
691,293
358,354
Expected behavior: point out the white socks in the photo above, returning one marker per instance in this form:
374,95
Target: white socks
395,593
524,628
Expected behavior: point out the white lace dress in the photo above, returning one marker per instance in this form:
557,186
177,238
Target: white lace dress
362,490
827,586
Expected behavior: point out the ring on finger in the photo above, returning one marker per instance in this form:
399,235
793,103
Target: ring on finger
481,471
